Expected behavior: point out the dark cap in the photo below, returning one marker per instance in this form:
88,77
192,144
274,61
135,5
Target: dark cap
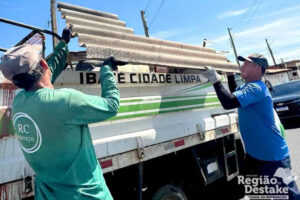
258,59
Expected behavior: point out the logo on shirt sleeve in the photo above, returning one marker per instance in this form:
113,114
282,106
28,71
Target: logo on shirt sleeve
28,132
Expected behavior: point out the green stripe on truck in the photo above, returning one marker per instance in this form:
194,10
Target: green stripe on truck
160,105
163,112
163,98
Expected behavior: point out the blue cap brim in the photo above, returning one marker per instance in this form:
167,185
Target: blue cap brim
241,58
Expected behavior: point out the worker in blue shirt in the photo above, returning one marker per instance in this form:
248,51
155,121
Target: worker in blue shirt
267,153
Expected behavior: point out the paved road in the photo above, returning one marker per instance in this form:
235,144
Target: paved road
293,140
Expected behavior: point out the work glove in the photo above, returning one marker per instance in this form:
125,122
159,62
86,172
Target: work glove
113,63
66,35
211,74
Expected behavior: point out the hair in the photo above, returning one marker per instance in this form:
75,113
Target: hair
27,80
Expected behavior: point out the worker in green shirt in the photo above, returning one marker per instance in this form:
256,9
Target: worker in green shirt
52,124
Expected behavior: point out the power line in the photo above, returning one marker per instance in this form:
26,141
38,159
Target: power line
153,19
245,14
247,17
147,6
250,16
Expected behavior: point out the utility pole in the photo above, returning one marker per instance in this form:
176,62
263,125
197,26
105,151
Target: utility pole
285,65
234,50
270,50
144,23
53,22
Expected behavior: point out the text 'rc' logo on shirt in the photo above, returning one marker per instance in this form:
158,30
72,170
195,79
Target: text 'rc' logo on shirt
28,132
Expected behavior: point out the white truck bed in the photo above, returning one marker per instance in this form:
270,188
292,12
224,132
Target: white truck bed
154,119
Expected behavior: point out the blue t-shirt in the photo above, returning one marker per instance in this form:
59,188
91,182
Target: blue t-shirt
259,123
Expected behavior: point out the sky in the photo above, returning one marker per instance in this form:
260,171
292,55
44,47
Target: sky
186,21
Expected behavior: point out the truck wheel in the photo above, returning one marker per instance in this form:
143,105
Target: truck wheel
169,192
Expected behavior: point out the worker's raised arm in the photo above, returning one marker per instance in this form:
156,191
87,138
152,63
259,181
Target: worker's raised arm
231,82
110,91
57,60
228,100
88,108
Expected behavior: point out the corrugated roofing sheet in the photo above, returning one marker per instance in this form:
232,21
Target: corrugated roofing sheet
104,35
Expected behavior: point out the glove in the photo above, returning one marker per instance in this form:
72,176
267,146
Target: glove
211,75
112,63
66,35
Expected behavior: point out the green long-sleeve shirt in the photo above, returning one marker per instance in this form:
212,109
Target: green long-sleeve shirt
52,128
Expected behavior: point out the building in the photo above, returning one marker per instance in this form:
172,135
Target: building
293,66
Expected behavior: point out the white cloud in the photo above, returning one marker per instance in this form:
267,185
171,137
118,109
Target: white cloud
251,33
221,39
293,54
232,13
283,36
279,12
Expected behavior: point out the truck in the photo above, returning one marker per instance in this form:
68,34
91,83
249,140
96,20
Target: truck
171,136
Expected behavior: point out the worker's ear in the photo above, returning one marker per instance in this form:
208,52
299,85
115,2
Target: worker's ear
44,64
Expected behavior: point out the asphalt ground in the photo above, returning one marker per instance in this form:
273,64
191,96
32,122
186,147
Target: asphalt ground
293,139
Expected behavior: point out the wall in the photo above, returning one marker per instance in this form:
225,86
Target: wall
278,78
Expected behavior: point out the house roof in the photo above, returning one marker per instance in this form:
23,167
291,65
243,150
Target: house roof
277,71
288,64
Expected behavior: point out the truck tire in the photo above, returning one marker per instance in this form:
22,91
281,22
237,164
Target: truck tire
169,192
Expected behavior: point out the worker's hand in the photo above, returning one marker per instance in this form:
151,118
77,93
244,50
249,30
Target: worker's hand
113,63
66,35
211,75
